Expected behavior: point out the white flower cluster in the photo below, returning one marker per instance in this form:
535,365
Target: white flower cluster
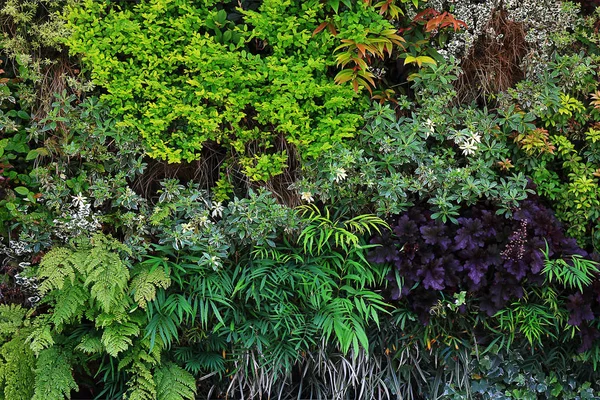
466,141
78,219
541,19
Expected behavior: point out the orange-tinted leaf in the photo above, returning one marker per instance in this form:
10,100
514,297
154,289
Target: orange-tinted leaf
320,28
344,76
361,48
331,28
425,15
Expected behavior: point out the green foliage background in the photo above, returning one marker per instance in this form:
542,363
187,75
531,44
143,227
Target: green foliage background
188,189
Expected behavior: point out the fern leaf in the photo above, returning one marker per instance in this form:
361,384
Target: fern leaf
144,285
141,385
174,383
108,277
117,337
11,319
41,338
16,373
54,379
70,302
56,266
90,345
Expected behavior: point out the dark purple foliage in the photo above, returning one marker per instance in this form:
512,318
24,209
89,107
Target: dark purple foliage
491,257
579,309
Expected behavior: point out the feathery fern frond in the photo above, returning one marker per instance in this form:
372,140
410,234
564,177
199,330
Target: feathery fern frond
11,319
90,345
108,277
145,282
69,302
56,266
117,336
41,338
16,369
174,383
54,379
141,385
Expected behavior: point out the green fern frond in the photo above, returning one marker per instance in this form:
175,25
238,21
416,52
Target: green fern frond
56,266
41,338
117,337
174,383
90,345
108,277
69,302
16,370
11,319
54,379
141,385
145,282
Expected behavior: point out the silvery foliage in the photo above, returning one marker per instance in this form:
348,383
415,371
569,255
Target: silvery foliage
541,19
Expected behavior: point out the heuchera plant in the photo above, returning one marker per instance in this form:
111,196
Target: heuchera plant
491,257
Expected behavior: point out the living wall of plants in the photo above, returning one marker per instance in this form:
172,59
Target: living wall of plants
336,199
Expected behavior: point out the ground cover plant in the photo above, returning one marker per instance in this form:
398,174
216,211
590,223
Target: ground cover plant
330,199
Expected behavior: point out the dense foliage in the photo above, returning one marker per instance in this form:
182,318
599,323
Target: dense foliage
299,199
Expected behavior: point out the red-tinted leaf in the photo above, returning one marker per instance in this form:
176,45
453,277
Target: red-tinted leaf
320,28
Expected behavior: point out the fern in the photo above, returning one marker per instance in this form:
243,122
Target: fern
41,338
11,319
90,345
69,303
174,383
145,282
139,362
106,273
56,266
16,371
141,385
53,377
117,337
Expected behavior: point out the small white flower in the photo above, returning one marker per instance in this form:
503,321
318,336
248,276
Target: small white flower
203,220
340,175
79,200
307,196
217,210
476,137
468,147
187,227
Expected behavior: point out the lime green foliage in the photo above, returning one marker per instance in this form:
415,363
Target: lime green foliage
240,85
576,274
564,158
54,379
16,358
